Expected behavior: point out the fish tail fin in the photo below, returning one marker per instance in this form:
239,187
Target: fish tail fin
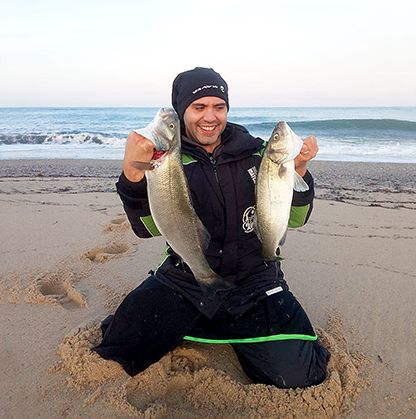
300,185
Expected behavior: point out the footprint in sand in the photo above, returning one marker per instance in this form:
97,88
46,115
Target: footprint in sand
106,253
117,224
52,289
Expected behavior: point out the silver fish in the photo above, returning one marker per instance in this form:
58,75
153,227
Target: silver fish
274,188
170,200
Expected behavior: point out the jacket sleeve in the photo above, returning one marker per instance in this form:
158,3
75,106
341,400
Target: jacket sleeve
136,205
302,204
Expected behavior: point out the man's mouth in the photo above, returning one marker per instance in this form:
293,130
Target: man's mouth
208,128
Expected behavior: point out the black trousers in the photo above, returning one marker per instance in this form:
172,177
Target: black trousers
153,319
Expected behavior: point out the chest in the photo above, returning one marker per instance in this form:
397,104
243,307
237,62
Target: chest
223,193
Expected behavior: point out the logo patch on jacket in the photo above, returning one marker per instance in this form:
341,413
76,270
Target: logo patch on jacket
253,173
248,219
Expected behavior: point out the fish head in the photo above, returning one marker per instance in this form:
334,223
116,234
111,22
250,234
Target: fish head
284,145
165,128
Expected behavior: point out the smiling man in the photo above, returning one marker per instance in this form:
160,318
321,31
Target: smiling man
203,109
205,120
258,315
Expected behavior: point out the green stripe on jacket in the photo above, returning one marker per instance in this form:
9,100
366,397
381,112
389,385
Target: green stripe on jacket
150,225
187,159
298,216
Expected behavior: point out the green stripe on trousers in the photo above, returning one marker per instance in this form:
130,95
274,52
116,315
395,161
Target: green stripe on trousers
254,340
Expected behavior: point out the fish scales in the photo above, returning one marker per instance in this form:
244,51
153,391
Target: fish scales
175,217
274,189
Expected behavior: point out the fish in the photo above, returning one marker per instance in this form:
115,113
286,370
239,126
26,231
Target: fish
170,200
276,180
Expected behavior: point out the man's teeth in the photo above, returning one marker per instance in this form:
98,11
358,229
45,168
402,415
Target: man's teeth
208,128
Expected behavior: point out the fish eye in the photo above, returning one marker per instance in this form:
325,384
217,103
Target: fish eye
276,136
171,125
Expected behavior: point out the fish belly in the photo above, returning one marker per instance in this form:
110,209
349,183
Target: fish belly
274,198
175,217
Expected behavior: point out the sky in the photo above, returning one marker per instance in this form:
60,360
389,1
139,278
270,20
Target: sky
271,53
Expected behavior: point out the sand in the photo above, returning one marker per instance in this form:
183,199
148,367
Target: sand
68,257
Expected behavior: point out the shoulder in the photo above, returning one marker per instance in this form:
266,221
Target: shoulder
237,128
240,134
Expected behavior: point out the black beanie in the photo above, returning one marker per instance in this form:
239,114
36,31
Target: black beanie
194,84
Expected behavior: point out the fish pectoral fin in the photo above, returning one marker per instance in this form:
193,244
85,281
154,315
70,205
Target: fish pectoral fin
256,226
141,165
300,185
204,236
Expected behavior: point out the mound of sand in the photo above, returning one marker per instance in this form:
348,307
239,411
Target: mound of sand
197,380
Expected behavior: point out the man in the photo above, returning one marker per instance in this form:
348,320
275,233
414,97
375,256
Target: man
258,315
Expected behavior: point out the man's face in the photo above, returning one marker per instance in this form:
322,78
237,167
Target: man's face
205,120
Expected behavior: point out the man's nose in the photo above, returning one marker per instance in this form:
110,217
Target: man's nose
209,115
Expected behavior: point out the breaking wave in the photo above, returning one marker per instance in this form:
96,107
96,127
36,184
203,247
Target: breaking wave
346,127
61,138
339,128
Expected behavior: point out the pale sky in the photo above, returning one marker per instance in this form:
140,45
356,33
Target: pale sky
271,53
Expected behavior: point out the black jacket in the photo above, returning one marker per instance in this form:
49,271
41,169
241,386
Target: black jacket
223,194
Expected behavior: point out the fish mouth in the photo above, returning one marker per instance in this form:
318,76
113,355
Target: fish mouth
285,129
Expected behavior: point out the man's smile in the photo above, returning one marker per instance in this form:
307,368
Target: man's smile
208,128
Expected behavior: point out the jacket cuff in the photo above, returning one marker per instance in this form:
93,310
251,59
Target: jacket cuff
133,194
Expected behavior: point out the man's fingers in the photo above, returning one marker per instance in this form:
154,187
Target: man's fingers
137,149
310,147
305,149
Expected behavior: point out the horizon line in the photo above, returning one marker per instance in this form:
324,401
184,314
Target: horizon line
232,107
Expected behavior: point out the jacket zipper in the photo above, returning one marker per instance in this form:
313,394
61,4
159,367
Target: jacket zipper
214,166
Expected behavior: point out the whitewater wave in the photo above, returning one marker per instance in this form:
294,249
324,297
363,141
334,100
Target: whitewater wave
337,128
343,125
62,138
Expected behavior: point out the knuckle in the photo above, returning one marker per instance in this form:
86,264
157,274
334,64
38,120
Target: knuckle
133,136
147,145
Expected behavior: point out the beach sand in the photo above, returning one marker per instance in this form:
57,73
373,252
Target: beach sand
68,257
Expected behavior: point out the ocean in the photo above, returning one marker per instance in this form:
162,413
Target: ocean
378,134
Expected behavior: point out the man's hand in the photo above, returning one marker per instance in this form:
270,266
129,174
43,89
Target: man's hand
138,148
308,151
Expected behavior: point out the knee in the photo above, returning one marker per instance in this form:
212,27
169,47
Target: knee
299,365
301,371
299,377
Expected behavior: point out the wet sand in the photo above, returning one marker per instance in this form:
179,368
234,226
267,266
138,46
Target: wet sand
68,257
